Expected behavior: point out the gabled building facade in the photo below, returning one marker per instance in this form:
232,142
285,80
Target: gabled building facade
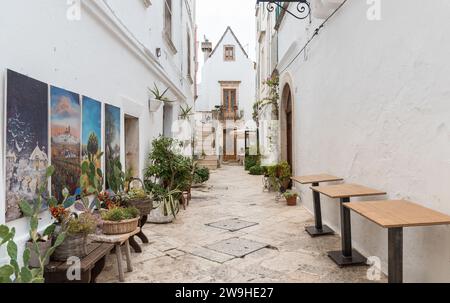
227,92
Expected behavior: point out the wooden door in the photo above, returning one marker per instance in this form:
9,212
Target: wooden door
289,130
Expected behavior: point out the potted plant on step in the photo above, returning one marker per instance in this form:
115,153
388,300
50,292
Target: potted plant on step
120,220
291,197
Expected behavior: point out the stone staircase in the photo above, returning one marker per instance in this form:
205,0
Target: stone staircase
210,160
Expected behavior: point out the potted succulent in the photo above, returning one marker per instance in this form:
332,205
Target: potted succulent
138,197
77,229
291,197
158,98
120,220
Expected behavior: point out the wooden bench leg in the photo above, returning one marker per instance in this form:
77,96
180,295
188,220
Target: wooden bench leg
119,263
137,248
128,255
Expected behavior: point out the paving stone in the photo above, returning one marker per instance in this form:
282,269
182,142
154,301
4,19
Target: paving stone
232,224
211,255
237,247
175,253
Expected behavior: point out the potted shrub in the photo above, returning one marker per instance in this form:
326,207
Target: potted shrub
291,197
120,220
201,175
168,174
77,228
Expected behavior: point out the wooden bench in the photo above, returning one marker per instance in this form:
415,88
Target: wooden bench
118,241
395,215
346,256
318,229
91,266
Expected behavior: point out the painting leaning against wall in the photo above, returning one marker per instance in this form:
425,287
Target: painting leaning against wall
65,140
26,145
112,137
91,137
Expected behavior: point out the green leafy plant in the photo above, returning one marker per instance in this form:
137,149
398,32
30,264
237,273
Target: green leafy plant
12,272
256,170
290,194
82,224
201,175
118,214
158,95
251,160
116,177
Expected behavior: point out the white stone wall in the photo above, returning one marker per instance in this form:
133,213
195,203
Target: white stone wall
372,104
108,55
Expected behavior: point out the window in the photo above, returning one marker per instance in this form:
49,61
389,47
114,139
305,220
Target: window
168,18
229,100
189,55
229,53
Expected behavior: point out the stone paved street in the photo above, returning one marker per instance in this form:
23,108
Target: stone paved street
177,252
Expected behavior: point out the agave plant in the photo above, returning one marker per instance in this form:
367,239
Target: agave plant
158,95
185,112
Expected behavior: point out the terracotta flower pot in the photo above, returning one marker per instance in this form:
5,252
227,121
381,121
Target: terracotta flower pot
291,201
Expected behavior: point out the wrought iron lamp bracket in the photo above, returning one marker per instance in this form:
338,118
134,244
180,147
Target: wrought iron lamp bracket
303,7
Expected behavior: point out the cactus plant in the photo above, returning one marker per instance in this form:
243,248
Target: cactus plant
13,272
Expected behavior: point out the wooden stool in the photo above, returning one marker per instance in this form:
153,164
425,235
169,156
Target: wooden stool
118,241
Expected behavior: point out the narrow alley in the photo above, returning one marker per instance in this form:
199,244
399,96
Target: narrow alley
179,252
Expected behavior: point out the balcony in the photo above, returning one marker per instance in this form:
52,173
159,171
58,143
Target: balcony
222,113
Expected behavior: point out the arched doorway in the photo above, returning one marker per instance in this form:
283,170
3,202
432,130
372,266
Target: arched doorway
286,125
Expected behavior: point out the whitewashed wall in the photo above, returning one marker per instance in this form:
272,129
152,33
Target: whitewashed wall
98,56
372,105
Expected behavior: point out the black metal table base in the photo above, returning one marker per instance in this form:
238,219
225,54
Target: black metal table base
315,232
355,259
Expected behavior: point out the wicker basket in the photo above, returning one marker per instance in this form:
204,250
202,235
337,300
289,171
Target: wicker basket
73,246
121,227
144,206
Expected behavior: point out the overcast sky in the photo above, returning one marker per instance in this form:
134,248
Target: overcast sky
213,17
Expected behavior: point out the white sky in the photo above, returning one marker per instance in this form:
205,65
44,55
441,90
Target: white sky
213,17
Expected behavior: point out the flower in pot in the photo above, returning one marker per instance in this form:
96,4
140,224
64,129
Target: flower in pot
120,220
291,197
77,229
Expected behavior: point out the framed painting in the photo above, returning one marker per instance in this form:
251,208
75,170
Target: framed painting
26,146
112,138
65,113
91,137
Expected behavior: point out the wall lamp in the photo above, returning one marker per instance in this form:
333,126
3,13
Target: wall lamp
303,7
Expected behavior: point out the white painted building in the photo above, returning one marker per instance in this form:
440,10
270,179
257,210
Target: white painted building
228,85
369,96
111,50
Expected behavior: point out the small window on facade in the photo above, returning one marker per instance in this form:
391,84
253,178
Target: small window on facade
229,53
168,18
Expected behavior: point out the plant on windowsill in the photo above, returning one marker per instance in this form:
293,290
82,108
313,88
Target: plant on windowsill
291,197
185,112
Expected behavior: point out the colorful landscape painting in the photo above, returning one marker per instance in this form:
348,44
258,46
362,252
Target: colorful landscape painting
91,137
112,138
26,146
65,140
